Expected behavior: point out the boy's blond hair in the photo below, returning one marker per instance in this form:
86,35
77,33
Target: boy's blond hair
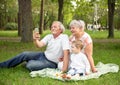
78,44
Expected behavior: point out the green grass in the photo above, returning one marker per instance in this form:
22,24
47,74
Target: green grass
94,34
8,33
106,52
103,34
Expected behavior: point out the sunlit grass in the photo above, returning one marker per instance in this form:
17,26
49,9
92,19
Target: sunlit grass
103,34
8,33
94,34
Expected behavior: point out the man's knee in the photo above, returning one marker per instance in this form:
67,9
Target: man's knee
33,65
30,65
25,53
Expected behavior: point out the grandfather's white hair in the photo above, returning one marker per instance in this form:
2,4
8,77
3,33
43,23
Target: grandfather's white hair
60,25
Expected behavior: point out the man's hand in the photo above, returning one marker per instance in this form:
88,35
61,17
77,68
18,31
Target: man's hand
36,35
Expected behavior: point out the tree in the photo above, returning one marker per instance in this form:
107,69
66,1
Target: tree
26,20
3,8
117,15
41,24
60,10
111,9
20,18
50,12
8,12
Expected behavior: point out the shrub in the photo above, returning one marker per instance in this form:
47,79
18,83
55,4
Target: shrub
11,26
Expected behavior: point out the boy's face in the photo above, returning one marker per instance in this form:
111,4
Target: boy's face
74,49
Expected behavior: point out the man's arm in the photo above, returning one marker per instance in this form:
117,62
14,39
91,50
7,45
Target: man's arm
65,60
36,39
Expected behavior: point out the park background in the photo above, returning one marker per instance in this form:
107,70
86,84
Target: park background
18,18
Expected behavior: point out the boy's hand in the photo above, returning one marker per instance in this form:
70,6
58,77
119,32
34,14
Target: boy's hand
60,59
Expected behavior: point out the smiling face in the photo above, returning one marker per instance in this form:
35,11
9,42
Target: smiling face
76,28
55,29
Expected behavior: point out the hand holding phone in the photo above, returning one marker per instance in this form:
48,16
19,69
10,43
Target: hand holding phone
36,29
36,35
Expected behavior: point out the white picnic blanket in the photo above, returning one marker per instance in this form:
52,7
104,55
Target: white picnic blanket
102,69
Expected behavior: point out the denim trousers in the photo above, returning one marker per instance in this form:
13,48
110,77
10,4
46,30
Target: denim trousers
35,61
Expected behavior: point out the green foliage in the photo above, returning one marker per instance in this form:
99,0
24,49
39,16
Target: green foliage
11,26
84,9
50,12
68,11
8,11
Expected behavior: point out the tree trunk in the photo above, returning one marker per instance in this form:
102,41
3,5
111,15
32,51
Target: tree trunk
20,18
19,24
118,19
111,8
27,22
41,25
3,14
0,20
60,10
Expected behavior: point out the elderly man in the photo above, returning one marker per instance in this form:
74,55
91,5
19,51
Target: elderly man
57,46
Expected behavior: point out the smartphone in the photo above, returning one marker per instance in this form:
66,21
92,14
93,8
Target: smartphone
36,29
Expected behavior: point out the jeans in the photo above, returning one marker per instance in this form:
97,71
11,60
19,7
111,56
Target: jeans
35,61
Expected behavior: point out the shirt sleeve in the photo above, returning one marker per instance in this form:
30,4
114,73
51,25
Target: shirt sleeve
65,42
46,39
88,39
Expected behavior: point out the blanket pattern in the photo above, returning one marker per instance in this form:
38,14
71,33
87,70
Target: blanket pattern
102,69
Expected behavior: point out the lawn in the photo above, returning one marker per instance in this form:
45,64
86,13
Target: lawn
105,51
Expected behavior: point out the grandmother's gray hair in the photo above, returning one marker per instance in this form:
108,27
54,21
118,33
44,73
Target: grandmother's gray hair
78,23
60,25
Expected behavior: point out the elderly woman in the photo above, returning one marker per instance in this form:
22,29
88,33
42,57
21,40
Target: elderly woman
77,29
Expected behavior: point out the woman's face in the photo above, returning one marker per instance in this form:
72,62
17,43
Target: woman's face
75,30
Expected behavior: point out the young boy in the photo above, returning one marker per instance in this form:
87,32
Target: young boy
79,64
